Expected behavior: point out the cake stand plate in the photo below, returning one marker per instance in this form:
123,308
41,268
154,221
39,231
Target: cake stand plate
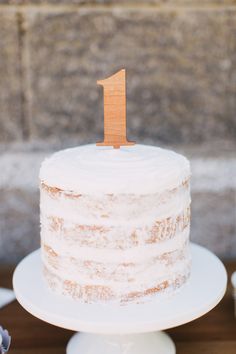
130,329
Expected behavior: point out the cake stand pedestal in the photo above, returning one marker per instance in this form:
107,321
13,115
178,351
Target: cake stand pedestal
130,329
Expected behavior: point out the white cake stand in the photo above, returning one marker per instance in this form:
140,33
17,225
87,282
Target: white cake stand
130,329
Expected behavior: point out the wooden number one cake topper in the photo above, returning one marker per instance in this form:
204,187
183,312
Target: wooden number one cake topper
114,111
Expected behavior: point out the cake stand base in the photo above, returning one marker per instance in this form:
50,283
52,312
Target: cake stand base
151,343
130,329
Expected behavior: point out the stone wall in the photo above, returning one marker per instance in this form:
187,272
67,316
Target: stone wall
180,57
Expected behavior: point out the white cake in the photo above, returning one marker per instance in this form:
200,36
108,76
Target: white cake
115,222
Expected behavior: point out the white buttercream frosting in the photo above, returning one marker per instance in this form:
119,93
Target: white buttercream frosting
138,169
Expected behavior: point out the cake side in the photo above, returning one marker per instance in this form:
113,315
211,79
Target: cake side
103,259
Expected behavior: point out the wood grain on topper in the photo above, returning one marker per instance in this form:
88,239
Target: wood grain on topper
114,110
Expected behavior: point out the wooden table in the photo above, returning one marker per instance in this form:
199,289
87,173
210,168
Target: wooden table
214,333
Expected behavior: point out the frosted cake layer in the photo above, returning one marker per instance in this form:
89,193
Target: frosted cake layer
115,223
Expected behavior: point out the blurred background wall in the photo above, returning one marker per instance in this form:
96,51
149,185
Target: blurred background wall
180,57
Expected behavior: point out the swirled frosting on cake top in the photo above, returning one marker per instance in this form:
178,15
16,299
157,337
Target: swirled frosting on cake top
138,169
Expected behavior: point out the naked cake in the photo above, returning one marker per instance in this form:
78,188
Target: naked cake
115,222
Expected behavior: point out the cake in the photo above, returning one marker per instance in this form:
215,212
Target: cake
115,223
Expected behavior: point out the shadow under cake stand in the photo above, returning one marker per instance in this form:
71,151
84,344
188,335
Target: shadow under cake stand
130,329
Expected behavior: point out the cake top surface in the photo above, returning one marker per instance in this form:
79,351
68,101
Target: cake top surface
138,169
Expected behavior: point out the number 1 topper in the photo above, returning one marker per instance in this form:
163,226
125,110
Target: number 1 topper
114,88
